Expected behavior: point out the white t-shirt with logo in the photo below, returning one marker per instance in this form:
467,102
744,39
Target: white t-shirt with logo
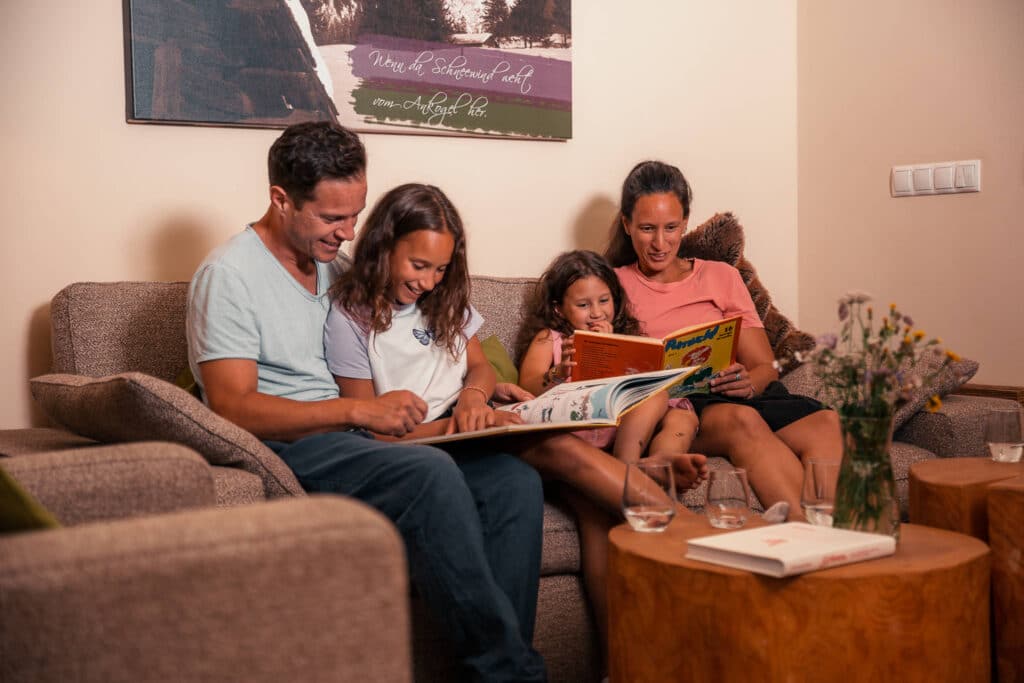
405,356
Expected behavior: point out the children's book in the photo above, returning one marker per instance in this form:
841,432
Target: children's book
790,548
578,405
709,347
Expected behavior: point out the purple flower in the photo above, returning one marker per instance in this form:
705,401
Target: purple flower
844,310
828,340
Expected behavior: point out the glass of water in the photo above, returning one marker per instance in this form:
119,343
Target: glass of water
649,495
1003,434
728,502
818,496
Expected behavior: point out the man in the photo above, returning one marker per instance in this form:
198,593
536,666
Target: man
256,314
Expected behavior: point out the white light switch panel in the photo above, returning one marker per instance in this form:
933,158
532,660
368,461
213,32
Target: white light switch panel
941,177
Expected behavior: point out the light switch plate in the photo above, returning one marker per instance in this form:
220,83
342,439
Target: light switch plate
923,180
967,176
942,177
901,181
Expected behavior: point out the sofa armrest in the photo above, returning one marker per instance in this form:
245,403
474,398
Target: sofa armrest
310,589
109,482
956,430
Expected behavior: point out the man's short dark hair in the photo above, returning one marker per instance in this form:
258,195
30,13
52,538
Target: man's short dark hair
307,153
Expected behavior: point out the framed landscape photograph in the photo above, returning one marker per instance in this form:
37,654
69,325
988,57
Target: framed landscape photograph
493,68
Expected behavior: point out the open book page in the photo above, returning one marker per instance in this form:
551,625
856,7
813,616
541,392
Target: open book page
579,405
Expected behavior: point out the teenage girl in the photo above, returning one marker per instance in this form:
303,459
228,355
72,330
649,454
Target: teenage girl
579,291
401,319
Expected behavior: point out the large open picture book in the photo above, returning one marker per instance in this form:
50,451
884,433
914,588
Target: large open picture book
578,405
708,347
791,548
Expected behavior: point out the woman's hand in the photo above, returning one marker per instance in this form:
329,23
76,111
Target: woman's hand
506,392
733,381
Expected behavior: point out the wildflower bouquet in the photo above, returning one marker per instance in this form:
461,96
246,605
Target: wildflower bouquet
868,372
865,372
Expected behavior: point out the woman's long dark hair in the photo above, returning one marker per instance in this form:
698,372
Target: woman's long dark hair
647,177
363,290
550,291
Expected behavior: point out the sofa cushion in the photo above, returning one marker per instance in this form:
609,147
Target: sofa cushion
803,380
19,510
499,359
720,238
948,380
133,406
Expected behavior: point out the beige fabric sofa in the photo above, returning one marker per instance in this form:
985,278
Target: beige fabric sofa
131,334
150,581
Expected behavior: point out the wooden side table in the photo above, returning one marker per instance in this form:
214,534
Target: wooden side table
950,493
1006,537
919,615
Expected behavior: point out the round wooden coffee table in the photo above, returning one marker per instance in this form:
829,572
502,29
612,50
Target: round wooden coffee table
951,493
919,615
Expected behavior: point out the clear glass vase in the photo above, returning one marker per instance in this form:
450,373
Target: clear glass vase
866,491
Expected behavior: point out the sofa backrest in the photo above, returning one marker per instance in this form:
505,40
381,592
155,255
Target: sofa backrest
106,328
500,300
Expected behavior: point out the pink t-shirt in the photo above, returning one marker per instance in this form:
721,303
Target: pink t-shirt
713,290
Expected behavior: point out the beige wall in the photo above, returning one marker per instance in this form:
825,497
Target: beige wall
889,83
709,86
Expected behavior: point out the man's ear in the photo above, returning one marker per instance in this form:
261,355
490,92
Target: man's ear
279,198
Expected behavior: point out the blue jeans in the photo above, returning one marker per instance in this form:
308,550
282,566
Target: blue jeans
472,526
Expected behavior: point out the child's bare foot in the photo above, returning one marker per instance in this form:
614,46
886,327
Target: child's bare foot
690,468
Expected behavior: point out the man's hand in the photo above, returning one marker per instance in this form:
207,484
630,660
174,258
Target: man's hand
395,413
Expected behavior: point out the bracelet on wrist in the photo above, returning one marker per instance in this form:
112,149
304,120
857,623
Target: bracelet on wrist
473,387
553,377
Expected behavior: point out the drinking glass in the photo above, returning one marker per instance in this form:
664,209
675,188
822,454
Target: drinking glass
818,496
649,495
728,502
1003,434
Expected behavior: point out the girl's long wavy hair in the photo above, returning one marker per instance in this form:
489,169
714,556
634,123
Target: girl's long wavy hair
363,291
550,290
647,177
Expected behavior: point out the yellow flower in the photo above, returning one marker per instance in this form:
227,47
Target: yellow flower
919,335
953,356
934,403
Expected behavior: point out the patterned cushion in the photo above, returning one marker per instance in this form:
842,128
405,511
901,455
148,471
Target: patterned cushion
133,406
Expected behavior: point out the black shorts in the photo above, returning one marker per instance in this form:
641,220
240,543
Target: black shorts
775,404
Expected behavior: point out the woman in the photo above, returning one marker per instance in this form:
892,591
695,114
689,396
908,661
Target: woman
748,417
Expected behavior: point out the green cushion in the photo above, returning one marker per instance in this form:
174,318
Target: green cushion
18,510
499,359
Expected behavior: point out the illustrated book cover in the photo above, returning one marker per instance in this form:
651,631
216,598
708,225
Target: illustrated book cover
709,347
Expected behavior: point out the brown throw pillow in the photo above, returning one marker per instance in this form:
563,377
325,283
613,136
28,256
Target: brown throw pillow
804,381
134,406
720,238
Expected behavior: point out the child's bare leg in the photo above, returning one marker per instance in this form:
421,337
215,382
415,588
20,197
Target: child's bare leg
636,428
672,441
598,475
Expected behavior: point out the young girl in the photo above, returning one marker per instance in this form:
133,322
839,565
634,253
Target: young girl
579,291
401,319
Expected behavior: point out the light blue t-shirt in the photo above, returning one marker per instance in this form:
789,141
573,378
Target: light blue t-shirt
242,303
